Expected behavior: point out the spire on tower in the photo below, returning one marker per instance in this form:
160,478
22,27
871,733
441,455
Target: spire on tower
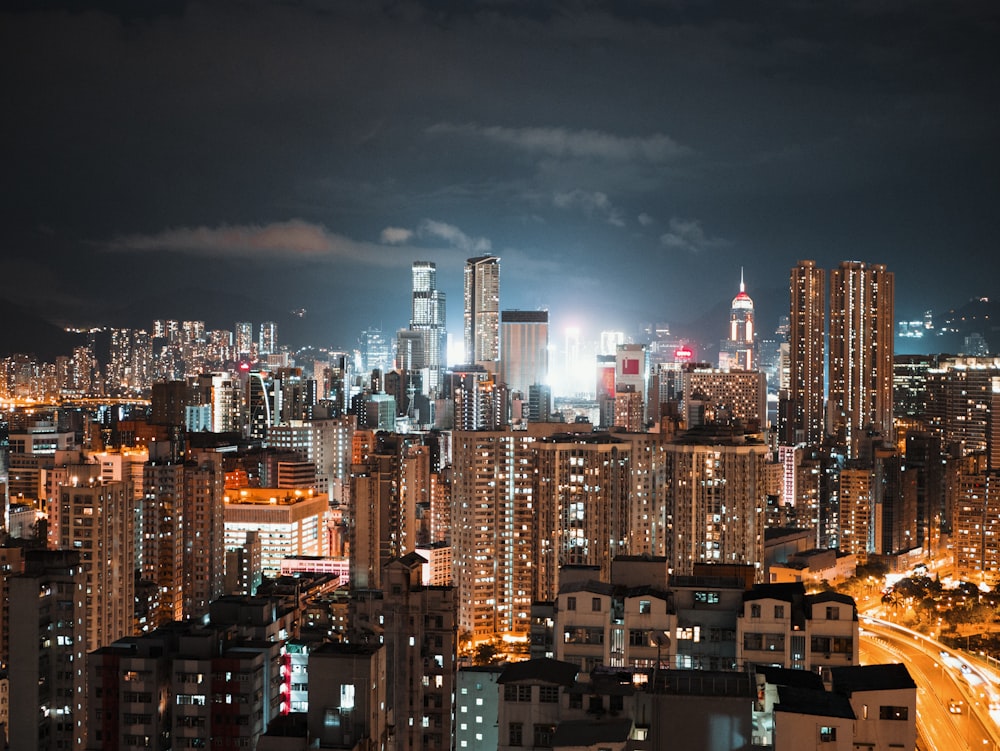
743,287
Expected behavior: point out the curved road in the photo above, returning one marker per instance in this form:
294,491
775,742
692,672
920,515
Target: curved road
939,683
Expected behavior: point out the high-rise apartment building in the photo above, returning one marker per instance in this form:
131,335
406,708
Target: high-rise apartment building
428,317
581,511
492,524
96,519
716,497
417,625
524,337
388,482
976,532
48,649
803,420
861,352
482,310
726,395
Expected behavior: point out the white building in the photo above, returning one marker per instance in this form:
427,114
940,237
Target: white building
288,522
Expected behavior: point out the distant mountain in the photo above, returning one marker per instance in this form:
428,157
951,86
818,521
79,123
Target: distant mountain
951,327
711,327
23,331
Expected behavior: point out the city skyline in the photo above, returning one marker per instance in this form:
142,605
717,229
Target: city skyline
624,162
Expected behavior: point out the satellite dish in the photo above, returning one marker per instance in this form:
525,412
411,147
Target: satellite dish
659,639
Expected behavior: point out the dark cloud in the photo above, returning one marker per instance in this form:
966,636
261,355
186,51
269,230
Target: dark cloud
626,156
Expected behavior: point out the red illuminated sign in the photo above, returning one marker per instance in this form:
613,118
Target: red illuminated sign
683,353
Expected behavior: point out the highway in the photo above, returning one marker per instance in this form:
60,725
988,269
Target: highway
942,684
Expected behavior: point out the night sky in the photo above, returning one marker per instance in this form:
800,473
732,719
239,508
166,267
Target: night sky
240,160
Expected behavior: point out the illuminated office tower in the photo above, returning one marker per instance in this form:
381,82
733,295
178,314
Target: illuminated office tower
48,650
244,338
97,519
803,419
376,351
482,310
582,504
428,317
268,342
861,351
524,361
739,348
716,496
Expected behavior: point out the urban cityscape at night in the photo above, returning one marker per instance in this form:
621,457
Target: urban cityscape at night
435,376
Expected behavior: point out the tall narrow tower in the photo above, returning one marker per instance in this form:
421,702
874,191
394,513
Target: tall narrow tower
861,351
807,352
428,317
741,330
482,310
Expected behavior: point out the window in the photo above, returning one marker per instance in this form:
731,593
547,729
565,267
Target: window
779,611
548,694
755,611
893,713
515,734
543,735
827,733
833,613
637,637
645,606
516,692
346,697
576,701
769,642
571,603
706,598
595,604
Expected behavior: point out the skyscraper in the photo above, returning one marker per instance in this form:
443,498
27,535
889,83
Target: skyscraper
804,416
244,338
268,342
48,648
428,317
97,519
482,309
524,336
861,351
739,349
